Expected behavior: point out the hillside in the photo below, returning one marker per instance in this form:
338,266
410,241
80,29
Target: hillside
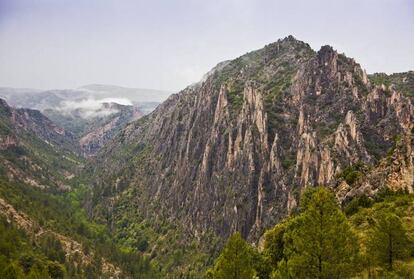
95,189
34,150
93,128
43,229
93,114
234,152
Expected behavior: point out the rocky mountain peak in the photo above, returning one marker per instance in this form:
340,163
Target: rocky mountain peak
235,151
289,41
327,55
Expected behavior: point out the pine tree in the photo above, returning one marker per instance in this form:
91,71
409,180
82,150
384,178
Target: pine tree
274,244
319,243
13,271
235,262
56,270
38,272
388,241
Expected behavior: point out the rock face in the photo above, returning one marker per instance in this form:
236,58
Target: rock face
88,114
93,130
100,131
234,151
33,149
395,171
33,121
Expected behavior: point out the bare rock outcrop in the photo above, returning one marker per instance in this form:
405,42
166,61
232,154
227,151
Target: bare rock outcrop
233,152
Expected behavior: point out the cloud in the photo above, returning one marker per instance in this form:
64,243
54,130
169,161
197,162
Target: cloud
89,108
121,101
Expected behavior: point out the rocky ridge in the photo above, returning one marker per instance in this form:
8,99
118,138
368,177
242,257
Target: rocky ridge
233,152
91,132
34,150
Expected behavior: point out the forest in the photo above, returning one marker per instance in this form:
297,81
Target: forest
367,238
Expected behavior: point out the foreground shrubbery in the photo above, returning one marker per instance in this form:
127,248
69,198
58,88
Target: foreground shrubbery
321,242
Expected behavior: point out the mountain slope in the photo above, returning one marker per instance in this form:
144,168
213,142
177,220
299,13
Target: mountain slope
34,150
402,82
92,114
93,128
233,152
43,229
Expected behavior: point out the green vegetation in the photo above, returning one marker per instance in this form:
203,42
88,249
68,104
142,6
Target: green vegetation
319,242
272,69
19,258
386,232
289,161
235,262
171,252
403,82
165,244
61,213
388,242
355,204
374,241
52,208
351,174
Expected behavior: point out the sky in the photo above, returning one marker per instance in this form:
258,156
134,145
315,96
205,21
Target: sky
169,44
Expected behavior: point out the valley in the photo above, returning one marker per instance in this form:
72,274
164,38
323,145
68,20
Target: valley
97,183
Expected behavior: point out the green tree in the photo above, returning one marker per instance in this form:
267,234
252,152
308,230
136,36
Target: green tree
319,243
274,244
26,262
38,272
56,270
235,261
388,240
13,271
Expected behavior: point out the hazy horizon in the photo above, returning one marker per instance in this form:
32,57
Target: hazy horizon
160,45
83,87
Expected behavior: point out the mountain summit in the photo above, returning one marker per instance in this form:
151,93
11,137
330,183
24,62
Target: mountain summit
234,152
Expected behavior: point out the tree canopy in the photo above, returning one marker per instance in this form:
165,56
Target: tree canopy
235,262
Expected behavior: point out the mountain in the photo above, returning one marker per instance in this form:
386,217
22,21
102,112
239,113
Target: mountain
43,230
395,171
92,114
94,127
403,82
90,187
38,99
234,152
34,150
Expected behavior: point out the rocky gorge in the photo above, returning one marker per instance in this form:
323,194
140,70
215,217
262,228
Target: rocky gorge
234,152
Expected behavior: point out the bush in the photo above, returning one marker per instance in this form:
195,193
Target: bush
351,174
356,203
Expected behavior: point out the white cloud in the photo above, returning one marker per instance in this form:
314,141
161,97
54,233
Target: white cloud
88,108
121,101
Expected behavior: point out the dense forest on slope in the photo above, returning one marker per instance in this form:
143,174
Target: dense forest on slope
44,230
56,221
368,238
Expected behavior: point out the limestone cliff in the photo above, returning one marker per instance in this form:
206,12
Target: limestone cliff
234,151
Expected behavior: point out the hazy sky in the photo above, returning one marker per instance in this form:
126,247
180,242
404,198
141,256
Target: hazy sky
172,43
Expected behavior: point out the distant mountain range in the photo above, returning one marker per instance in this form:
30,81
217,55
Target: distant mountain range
91,113
148,99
